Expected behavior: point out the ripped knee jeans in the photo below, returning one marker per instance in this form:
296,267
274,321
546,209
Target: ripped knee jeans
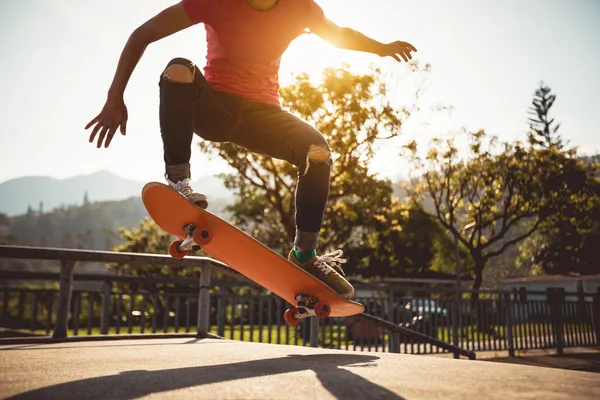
194,107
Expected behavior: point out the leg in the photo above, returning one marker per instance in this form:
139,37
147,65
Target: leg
274,132
176,114
312,192
187,103
277,133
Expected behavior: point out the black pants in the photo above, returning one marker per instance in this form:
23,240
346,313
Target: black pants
187,108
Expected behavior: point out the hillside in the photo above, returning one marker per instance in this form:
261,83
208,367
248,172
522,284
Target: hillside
41,193
89,226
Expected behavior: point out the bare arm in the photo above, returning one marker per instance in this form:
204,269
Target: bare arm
346,38
165,23
114,113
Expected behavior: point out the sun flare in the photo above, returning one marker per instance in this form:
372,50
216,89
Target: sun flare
312,55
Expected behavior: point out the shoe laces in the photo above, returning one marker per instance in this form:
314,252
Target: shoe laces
182,186
327,262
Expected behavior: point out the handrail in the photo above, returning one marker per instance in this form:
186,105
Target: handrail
409,332
47,253
68,258
8,275
109,278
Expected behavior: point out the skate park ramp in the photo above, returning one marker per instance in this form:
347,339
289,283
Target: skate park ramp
190,368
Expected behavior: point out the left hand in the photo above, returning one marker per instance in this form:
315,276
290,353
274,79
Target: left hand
396,49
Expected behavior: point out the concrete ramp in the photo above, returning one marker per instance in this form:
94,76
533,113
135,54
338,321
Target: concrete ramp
222,369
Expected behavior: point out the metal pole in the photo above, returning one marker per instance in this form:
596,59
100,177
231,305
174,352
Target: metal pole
314,331
64,299
456,319
105,316
204,302
457,260
509,323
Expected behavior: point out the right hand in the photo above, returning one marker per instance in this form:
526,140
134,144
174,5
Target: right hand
398,49
112,117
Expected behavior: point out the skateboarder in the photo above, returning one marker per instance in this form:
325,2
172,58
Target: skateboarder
237,100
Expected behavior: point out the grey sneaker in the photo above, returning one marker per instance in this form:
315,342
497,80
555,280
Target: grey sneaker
326,269
185,189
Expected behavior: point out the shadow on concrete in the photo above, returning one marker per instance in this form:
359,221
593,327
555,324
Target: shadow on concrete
340,382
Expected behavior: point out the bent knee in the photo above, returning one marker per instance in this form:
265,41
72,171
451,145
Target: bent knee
179,73
319,153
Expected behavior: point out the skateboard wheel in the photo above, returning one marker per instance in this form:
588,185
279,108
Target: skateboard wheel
322,309
289,317
202,236
174,250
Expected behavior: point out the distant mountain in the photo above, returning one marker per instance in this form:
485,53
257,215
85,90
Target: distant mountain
42,193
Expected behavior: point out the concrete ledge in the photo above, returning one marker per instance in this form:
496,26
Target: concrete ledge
187,368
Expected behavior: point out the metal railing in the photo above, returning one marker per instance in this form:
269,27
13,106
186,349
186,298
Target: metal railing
68,258
399,318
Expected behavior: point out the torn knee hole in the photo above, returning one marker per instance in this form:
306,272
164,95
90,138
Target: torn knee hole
318,153
178,73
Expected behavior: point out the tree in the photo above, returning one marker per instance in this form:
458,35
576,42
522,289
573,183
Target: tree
481,197
146,238
355,114
405,243
4,220
149,238
566,242
543,132
569,242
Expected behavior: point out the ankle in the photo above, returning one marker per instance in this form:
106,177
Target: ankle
177,173
303,255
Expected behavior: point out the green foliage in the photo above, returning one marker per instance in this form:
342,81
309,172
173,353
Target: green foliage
405,242
543,131
354,113
498,195
4,220
92,226
148,238
569,242
488,193
5,237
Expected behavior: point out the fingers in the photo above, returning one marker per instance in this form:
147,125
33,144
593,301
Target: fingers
403,49
410,46
101,136
105,135
109,136
92,122
105,129
94,132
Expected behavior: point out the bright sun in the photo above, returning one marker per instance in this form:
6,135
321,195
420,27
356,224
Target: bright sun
312,55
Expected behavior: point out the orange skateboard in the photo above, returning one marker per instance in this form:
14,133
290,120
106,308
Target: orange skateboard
199,229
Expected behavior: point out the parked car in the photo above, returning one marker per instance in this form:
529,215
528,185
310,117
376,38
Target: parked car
423,315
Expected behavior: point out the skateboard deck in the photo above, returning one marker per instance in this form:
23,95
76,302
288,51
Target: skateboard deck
197,228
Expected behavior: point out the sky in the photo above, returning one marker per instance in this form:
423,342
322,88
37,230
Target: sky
487,57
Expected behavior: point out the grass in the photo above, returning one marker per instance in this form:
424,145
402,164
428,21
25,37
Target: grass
239,333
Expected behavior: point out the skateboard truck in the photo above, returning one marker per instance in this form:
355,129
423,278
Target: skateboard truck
307,306
194,240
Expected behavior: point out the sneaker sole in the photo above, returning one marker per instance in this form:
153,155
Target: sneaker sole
348,295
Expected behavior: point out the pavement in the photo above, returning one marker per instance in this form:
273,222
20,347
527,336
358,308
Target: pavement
190,368
576,359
